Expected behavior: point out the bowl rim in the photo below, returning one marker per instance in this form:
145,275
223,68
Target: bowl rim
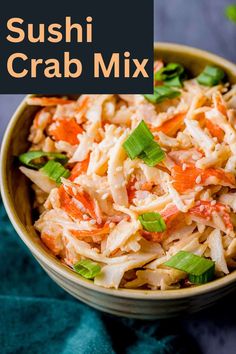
67,273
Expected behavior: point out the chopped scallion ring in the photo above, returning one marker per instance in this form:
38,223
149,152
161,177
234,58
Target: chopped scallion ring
54,170
201,270
140,138
151,98
28,157
141,144
153,154
171,74
152,222
162,93
87,268
211,76
174,82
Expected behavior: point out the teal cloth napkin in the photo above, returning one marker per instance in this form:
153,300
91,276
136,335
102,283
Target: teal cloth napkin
37,317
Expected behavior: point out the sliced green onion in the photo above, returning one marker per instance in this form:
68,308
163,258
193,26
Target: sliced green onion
28,158
203,278
214,71
169,72
140,138
54,170
162,93
230,12
141,144
201,270
152,154
172,75
211,76
174,82
152,222
207,80
87,268
151,98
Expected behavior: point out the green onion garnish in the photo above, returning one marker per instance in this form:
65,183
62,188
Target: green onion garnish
162,93
54,170
211,76
87,268
141,144
230,12
28,158
152,154
151,98
152,222
172,75
201,270
140,138
175,82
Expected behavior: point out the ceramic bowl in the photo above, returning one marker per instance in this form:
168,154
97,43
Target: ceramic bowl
142,304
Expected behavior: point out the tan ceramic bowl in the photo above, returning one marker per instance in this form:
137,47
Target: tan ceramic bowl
142,304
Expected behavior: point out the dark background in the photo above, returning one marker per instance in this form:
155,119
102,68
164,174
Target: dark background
202,24
198,23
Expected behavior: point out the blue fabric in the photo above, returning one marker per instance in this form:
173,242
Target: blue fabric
37,317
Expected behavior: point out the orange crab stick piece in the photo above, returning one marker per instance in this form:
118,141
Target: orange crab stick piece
53,242
171,126
184,180
191,176
66,130
69,205
204,209
226,179
69,202
131,190
219,103
170,213
215,130
96,232
85,199
79,168
47,101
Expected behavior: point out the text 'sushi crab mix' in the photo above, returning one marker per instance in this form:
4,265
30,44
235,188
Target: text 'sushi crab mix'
139,191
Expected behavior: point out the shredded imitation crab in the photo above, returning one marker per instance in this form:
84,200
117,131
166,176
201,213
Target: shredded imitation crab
94,213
